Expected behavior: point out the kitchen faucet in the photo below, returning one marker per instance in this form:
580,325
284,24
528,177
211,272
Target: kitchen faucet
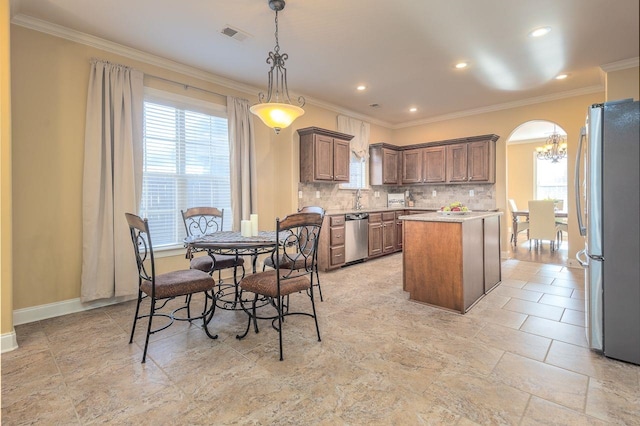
358,197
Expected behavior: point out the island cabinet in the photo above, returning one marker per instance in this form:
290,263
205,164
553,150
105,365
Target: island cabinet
384,165
324,155
331,243
448,261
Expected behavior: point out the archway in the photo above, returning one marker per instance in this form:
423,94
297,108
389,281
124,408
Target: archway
533,176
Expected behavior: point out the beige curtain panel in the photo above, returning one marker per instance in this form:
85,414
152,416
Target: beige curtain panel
112,180
242,153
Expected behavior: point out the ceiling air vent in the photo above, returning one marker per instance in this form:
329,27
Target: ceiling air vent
234,33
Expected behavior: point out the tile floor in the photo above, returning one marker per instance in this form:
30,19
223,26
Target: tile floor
519,357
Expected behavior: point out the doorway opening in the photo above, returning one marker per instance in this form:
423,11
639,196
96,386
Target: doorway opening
532,175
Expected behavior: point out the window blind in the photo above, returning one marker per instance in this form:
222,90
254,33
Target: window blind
185,164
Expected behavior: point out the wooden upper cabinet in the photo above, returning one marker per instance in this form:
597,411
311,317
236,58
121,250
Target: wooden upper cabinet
481,161
424,165
412,166
457,163
341,160
324,155
434,164
384,165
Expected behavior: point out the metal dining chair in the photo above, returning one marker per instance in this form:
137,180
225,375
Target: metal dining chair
162,288
268,262
298,235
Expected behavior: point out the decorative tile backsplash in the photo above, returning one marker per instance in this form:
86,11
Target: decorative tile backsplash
333,198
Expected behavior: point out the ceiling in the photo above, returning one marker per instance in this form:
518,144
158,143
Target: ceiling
404,51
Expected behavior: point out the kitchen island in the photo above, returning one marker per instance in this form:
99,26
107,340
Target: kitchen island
451,261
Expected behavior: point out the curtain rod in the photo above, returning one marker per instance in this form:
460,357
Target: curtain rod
186,86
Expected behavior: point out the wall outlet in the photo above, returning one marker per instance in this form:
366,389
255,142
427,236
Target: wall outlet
377,194
471,193
299,194
434,193
317,194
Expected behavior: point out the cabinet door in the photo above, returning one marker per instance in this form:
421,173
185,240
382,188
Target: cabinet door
341,157
457,163
479,162
323,157
412,166
375,239
388,236
399,230
389,166
434,164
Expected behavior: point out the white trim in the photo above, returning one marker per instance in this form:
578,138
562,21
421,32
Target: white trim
8,342
51,310
621,65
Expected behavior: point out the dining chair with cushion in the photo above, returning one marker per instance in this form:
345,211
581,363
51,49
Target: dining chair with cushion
520,225
206,220
161,289
268,262
542,222
297,245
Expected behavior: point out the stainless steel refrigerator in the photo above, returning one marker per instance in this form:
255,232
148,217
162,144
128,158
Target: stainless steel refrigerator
608,183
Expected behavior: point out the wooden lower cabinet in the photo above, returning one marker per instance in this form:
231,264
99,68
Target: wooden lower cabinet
331,243
375,234
388,232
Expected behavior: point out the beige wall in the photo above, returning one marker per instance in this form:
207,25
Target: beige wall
520,169
6,267
568,113
50,77
623,84
49,85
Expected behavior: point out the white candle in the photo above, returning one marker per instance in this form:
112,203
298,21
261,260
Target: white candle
254,225
245,228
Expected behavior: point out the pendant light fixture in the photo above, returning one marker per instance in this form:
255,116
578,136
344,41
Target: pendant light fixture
275,109
554,149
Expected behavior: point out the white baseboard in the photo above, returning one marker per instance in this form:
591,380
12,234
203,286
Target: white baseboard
8,342
51,310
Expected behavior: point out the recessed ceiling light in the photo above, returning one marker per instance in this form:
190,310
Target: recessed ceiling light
461,65
414,109
561,76
361,87
539,32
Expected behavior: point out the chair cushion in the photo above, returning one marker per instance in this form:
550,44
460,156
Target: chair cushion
286,264
179,283
266,283
203,263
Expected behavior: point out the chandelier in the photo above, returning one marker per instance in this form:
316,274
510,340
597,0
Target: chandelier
554,149
275,109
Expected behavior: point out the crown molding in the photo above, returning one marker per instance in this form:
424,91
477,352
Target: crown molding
621,65
138,55
509,105
109,46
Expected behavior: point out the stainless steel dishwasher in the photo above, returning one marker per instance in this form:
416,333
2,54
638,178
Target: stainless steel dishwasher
356,243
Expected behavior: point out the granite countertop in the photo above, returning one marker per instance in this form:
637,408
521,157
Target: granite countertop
437,217
378,209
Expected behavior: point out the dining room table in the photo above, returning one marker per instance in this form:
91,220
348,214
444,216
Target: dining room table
231,243
525,214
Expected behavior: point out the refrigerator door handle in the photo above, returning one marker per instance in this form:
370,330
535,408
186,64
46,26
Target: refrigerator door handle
581,227
584,262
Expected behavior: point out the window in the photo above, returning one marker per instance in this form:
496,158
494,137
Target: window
551,180
357,173
185,163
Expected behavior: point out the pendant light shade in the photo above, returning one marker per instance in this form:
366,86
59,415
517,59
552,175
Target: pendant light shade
280,113
277,115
